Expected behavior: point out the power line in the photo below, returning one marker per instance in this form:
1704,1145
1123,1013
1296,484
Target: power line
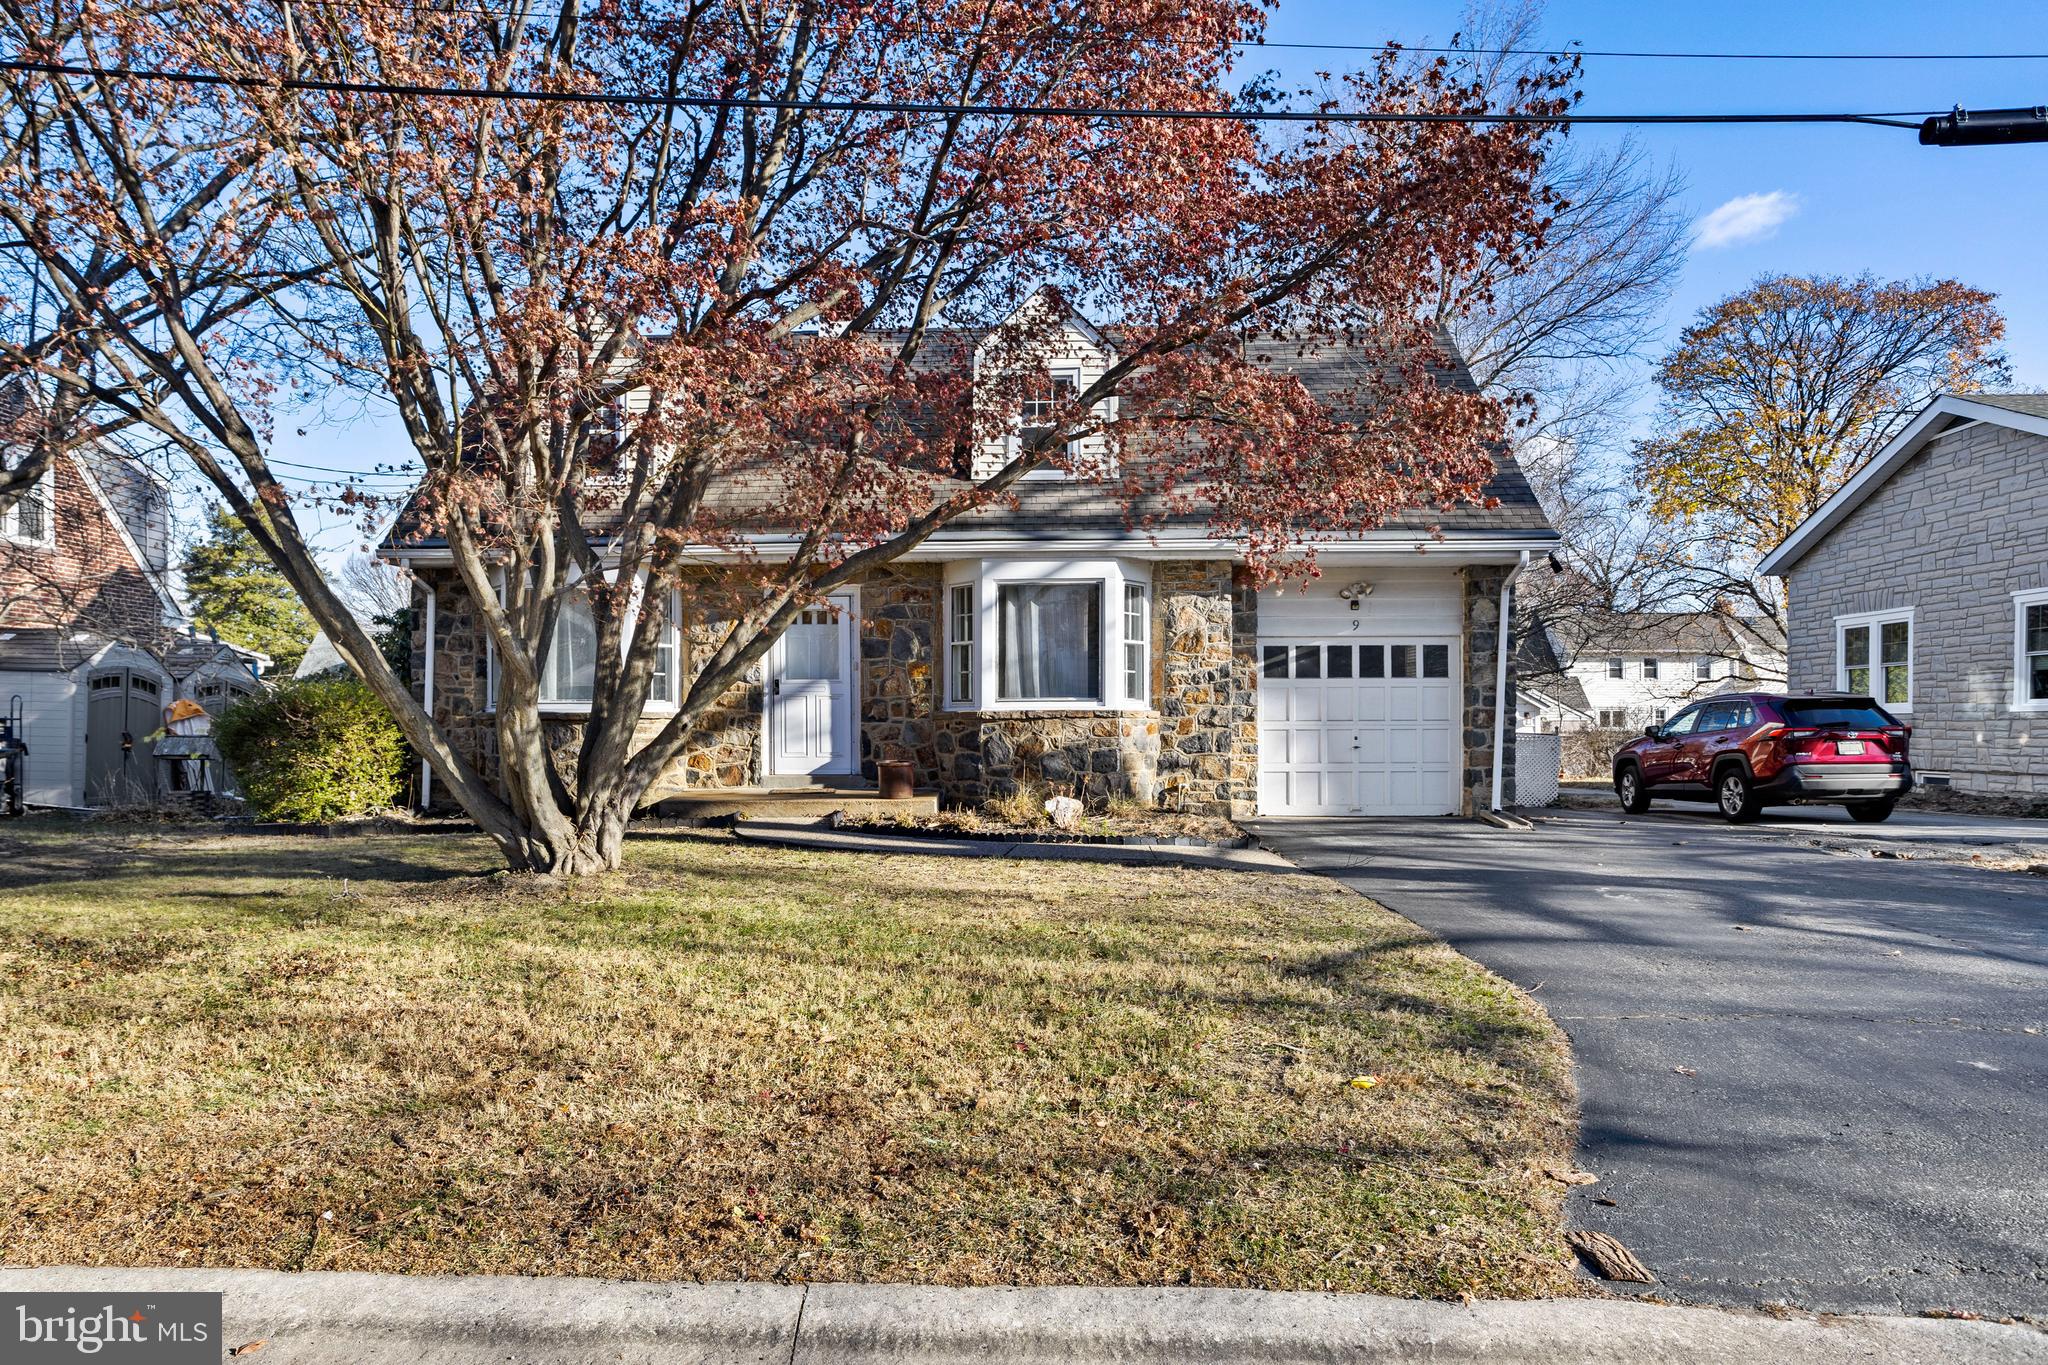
1894,119
1570,50
1660,56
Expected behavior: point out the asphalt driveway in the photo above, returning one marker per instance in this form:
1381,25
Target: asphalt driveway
1806,1076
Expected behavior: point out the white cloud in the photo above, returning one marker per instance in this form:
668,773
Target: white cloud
1746,218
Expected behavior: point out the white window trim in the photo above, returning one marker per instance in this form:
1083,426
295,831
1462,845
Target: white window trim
46,489
1875,620
1013,444
955,697
673,629
2021,600
989,576
1142,642
1652,668
1705,662
1616,670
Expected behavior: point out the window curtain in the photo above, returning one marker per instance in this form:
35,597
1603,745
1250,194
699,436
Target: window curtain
1051,641
572,657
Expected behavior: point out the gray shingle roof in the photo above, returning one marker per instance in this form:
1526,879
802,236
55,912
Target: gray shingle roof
1043,507
46,649
1629,633
2032,404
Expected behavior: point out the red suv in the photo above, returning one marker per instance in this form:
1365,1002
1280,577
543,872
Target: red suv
1744,751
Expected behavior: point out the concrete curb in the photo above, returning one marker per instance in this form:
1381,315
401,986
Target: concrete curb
354,1319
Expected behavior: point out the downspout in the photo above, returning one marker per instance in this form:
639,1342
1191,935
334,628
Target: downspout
1500,678
427,695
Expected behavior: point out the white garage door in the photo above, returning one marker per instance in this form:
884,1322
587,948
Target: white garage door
1351,727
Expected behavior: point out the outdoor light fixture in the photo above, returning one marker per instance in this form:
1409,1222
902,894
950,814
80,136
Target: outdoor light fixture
1985,127
1355,593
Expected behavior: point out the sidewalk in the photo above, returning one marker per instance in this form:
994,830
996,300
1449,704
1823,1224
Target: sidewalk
805,834
348,1319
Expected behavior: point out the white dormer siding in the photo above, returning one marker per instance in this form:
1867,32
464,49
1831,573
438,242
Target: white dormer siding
1076,355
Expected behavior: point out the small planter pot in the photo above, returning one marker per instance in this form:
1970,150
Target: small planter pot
896,779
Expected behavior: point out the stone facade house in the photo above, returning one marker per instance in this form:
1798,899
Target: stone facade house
1048,645
1924,583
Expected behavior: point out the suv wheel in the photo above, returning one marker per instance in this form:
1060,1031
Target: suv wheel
1628,785
1735,796
1871,812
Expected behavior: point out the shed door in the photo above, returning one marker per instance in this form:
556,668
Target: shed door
1358,727
124,707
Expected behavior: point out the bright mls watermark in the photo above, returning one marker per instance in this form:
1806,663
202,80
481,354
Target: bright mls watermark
117,1328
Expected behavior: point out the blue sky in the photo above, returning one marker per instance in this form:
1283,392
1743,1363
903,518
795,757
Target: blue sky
1861,198
1828,199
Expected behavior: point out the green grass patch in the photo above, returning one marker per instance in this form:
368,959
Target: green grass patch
731,1062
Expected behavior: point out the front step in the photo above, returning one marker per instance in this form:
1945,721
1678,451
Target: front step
809,802
812,782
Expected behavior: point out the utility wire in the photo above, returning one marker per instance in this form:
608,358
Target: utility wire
1659,56
1896,119
533,15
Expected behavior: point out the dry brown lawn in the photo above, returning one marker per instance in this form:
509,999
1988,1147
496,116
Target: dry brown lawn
731,1062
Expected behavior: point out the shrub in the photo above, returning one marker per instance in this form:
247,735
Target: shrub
315,749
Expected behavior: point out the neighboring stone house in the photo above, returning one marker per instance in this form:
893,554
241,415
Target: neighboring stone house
1049,644
1624,670
94,642
1924,582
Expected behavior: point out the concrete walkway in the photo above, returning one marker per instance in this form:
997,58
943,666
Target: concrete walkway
803,834
347,1319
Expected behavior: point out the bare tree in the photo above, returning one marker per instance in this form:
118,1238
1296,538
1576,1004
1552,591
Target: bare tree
1564,330
691,288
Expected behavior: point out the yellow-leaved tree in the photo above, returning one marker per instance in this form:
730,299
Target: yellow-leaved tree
1775,396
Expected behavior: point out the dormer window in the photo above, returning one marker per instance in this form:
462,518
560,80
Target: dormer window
1044,397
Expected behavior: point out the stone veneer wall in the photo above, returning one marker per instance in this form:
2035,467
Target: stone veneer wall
1205,677
1482,626
898,671
461,671
1197,751
723,751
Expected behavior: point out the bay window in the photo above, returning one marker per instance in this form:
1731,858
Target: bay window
1137,643
1874,656
1060,634
960,643
1050,642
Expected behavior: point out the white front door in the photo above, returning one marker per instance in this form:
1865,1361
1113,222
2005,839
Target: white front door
1351,727
810,691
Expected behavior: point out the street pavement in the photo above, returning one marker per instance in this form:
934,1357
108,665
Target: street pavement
1807,1075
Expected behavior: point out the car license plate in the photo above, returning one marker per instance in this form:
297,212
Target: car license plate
1849,746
